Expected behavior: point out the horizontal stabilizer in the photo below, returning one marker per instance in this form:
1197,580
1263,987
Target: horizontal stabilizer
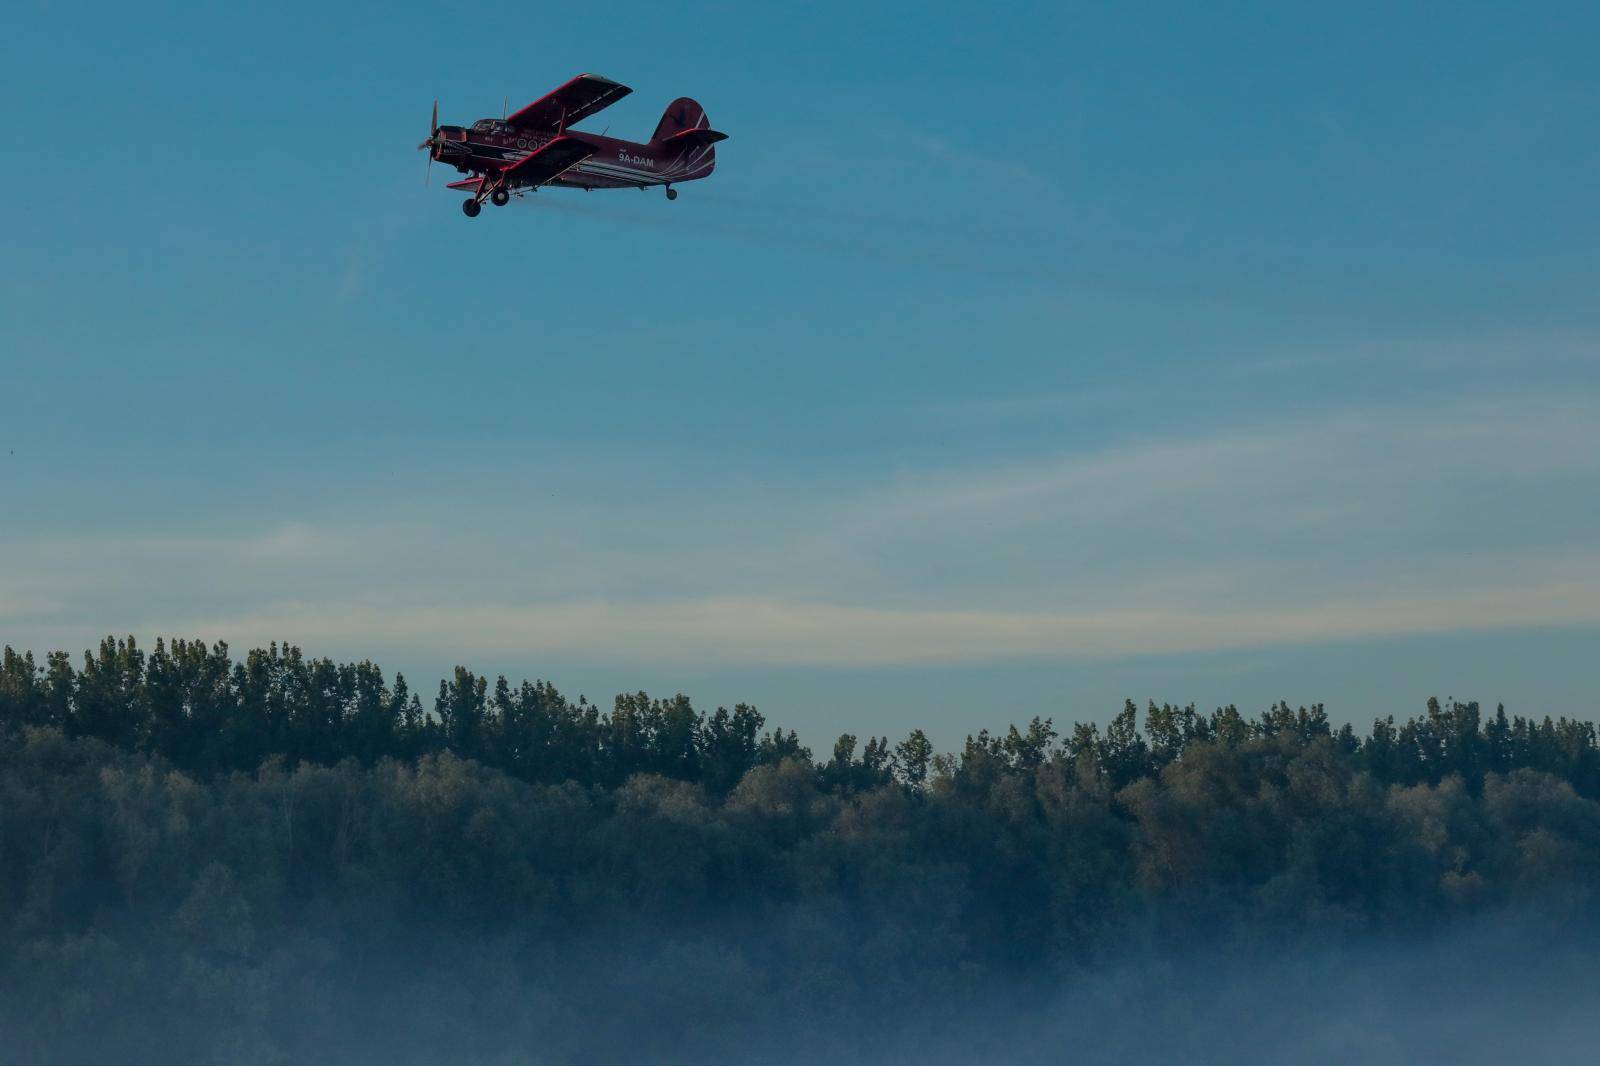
696,138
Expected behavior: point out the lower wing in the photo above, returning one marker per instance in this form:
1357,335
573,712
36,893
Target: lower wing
551,161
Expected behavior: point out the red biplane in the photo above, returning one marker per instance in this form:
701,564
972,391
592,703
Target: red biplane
538,146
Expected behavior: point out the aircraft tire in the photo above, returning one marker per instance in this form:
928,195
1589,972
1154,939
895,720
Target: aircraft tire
672,194
500,197
470,208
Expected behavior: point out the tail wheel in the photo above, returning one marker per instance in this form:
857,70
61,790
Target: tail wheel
500,197
672,194
470,208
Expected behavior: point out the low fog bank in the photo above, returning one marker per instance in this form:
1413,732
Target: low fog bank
1492,989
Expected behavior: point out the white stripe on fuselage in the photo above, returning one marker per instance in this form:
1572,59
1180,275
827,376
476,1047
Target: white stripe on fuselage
643,177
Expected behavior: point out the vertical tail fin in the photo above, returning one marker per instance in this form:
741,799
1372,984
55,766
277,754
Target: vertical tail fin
682,114
686,140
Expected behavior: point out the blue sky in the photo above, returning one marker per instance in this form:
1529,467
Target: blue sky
1015,360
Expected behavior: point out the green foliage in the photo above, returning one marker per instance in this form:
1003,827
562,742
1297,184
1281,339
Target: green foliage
233,823
207,715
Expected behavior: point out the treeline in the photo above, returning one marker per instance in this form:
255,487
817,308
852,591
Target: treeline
203,860
195,707
206,714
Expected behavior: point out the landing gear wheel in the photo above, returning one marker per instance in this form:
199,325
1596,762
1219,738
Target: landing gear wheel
672,194
500,197
470,208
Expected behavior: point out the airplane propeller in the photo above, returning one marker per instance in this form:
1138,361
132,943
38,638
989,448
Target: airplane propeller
431,143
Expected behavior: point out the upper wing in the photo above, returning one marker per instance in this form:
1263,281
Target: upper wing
536,168
577,100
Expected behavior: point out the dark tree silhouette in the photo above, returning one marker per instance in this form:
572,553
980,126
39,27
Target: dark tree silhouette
183,834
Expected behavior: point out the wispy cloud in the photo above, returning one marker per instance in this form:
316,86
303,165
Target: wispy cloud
944,153
712,632
1355,461
293,542
1476,513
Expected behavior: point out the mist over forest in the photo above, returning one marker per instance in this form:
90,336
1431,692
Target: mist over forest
280,858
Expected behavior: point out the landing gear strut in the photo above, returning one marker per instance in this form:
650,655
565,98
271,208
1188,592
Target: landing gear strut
672,194
470,208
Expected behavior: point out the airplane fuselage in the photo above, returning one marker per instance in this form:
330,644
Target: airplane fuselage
490,147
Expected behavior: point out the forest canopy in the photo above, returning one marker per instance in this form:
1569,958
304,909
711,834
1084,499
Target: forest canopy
210,859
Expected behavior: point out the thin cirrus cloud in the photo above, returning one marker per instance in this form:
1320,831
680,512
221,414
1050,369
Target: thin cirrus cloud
1355,458
731,632
1473,514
